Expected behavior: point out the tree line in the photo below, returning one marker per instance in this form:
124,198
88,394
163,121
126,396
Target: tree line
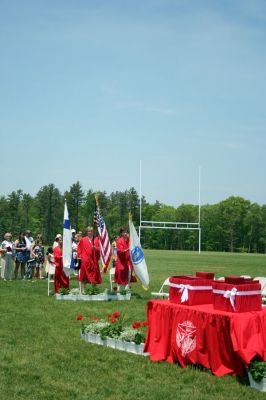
234,224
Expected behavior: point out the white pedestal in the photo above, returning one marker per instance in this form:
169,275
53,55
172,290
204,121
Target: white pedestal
257,385
93,297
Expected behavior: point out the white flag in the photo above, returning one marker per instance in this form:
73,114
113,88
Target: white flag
137,256
67,243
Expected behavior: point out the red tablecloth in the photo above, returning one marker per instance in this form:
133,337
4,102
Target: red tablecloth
222,341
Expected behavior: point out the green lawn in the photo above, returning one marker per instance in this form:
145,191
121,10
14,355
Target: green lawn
43,357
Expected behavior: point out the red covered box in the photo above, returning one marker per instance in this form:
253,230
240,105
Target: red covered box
190,290
243,296
205,275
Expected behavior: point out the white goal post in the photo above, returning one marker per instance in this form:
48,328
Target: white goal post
195,226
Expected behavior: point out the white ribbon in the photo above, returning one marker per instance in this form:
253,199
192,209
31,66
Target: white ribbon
185,288
184,291
231,294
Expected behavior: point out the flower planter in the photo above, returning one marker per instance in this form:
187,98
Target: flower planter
111,342
90,337
132,347
129,347
257,385
121,345
93,297
119,296
72,297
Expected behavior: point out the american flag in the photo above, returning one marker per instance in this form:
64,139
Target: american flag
105,245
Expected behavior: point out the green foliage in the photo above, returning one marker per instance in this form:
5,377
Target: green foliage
257,370
63,291
139,337
111,330
92,290
233,225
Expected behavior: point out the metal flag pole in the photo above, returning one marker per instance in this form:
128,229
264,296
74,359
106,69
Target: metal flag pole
199,211
140,196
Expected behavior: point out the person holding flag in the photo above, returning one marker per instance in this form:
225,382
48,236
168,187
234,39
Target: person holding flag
89,254
123,267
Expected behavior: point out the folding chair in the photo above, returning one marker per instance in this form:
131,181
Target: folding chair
112,277
50,275
161,292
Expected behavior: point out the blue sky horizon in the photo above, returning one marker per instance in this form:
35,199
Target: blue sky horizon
88,89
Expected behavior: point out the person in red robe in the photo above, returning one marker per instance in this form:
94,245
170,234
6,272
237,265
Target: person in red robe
89,254
123,266
60,278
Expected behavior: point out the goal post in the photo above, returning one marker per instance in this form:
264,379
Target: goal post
195,226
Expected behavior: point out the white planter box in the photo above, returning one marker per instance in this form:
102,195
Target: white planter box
111,343
132,347
257,385
93,297
72,297
129,347
121,345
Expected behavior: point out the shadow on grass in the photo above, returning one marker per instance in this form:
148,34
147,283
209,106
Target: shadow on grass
136,296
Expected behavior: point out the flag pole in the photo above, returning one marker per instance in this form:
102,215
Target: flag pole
98,209
94,224
129,270
140,201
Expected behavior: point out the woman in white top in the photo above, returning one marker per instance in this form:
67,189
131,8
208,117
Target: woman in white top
55,244
7,257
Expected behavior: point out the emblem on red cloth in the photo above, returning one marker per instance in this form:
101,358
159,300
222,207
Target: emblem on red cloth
186,337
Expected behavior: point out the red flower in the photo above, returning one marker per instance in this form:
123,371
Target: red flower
79,317
93,318
136,325
112,320
145,323
116,314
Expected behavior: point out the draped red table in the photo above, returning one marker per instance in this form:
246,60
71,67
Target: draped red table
223,341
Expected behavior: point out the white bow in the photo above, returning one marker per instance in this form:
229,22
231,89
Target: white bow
184,291
231,294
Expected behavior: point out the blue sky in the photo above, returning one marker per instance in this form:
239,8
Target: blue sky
90,88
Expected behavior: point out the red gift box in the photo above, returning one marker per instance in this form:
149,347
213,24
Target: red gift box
205,275
234,279
237,297
190,290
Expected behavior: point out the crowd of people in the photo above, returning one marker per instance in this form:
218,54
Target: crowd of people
25,258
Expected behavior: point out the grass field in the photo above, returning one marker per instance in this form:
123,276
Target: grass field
43,357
